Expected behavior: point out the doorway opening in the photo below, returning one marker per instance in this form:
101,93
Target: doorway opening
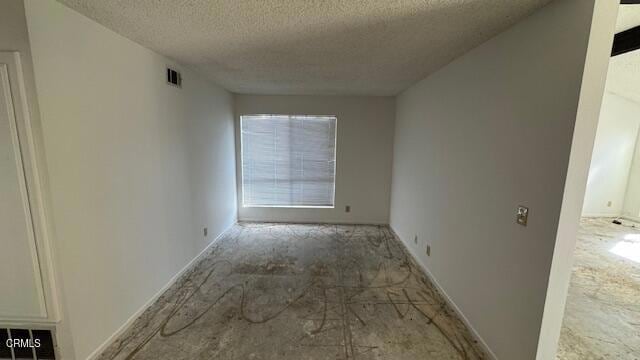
602,313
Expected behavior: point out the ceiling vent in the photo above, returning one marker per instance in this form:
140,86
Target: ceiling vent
174,78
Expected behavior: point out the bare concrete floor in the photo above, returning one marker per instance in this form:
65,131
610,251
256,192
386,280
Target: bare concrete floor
277,291
602,317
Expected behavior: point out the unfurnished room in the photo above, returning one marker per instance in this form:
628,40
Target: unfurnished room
336,179
603,305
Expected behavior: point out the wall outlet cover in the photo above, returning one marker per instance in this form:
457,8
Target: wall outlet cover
522,215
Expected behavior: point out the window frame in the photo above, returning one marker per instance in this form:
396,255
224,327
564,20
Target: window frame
335,160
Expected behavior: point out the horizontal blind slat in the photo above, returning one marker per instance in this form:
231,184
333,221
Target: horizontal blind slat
288,160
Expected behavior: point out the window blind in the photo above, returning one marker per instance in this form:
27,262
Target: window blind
288,160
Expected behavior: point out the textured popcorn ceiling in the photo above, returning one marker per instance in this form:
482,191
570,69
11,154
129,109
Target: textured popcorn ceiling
372,47
623,77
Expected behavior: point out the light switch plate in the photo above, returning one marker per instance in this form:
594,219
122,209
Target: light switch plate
523,215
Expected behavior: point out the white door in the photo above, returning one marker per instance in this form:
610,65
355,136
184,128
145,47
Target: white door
21,290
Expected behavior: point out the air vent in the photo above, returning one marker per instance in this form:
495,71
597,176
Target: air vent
26,344
174,78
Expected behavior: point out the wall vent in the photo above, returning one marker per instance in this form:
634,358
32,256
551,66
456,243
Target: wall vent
174,78
26,344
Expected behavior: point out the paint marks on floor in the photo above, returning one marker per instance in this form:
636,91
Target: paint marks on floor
281,291
602,316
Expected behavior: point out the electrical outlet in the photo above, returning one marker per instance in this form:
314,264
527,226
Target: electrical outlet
205,231
428,250
347,208
415,239
608,203
522,215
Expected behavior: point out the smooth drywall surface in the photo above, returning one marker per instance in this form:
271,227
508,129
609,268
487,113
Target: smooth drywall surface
632,196
137,167
612,155
364,146
491,131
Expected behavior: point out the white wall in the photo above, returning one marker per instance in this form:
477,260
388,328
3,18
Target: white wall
137,167
632,196
612,155
490,131
363,155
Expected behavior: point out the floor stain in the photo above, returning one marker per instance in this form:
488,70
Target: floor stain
602,316
284,291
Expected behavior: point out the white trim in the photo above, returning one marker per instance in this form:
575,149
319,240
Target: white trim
155,297
29,324
291,206
448,299
38,187
630,218
10,101
31,186
597,215
241,164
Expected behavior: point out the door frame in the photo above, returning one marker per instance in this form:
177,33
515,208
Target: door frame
591,92
35,184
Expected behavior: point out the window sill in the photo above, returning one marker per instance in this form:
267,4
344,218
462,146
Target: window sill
289,206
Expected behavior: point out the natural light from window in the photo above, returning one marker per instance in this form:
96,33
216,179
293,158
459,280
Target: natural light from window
629,248
288,160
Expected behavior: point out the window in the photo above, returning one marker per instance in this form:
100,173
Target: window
288,160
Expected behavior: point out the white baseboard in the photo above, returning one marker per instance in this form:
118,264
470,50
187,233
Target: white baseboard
155,297
630,218
448,299
604,215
